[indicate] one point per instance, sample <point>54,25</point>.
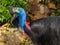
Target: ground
<point>11,36</point>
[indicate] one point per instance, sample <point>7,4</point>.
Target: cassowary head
<point>14,16</point>
<point>19,13</point>
<point>12,8</point>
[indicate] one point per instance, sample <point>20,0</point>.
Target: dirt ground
<point>13,37</point>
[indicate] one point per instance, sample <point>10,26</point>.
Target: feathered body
<point>45,31</point>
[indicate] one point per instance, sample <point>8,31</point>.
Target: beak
<point>14,17</point>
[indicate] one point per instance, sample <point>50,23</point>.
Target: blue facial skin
<point>21,17</point>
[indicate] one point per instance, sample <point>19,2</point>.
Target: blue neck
<point>22,17</point>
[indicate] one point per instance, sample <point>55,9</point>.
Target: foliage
<point>5,7</point>
<point>4,14</point>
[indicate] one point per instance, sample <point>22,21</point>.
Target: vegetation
<point>5,7</point>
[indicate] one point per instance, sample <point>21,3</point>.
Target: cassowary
<point>44,31</point>
<point>20,14</point>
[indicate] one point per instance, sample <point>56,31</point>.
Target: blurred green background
<point>5,7</point>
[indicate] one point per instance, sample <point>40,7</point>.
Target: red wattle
<point>27,24</point>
